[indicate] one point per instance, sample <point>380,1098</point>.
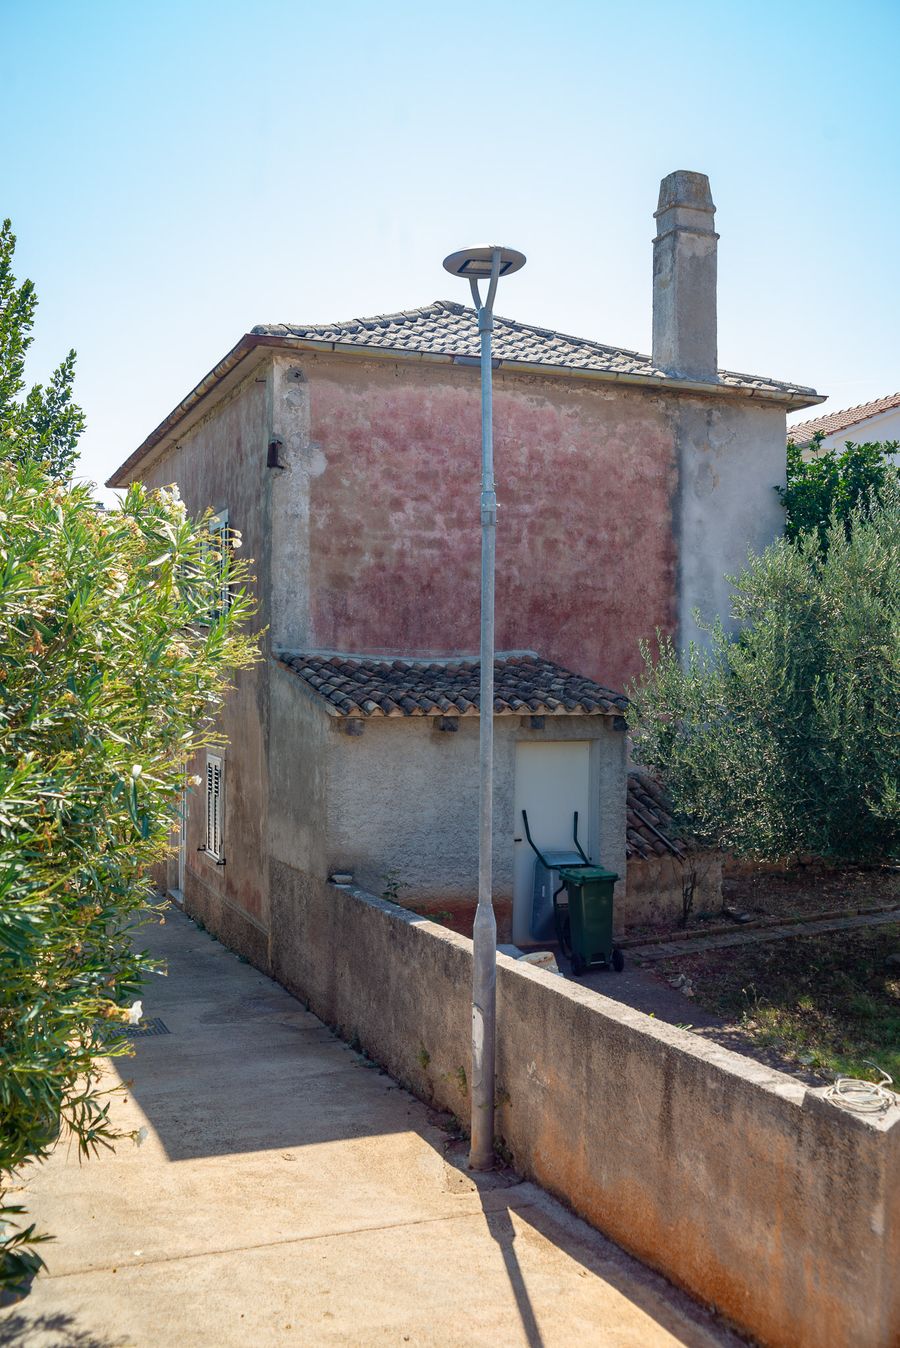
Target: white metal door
<point>552,782</point>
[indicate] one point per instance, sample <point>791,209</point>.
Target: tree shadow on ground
<point>247,1070</point>
<point>18,1330</point>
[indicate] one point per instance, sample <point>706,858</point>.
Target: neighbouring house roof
<point>648,825</point>
<point>523,685</point>
<point>446,328</point>
<point>834,422</point>
<point>448,332</point>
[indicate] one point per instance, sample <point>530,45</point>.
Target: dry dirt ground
<point>816,1006</point>
<point>824,1005</point>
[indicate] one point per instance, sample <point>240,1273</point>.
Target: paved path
<point>290,1194</point>
<point>664,950</point>
<point>651,993</point>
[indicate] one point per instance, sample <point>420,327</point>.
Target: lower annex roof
<point>524,684</point>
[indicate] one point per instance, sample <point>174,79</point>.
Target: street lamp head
<point>474,264</point>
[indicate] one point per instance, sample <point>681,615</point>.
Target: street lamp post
<point>488,264</point>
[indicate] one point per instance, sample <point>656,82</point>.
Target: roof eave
<point>786,398</point>
<point>282,660</point>
<point>794,399</point>
<point>420,714</point>
<point>125,473</point>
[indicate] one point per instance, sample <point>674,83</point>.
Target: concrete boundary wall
<point>740,1184</point>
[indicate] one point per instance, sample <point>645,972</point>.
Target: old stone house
<point>347,456</point>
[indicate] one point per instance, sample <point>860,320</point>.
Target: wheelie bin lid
<point>582,875</point>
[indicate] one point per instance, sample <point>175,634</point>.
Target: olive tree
<point>784,738</point>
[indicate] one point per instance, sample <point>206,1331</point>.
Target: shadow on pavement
<point>536,1212</point>
<point>49,1331</point>
<point>244,1069</point>
<point>241,1066</point>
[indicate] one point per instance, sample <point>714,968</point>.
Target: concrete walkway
<point>288,1193</point>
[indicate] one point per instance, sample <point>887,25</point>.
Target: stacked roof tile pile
<point>523,685</point>
<point>446,328</point>
<point>649,831</point>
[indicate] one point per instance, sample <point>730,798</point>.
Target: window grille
<point>215,774</point>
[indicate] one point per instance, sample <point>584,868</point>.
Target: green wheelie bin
<point>585,923</point>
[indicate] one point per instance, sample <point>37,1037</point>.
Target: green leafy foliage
<point>784,739</point>
<point>110,680</point>
<point>833,484</point>
<point>44,424</point>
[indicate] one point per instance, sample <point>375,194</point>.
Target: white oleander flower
<point>133,1016</point>
<point>136,771</point>
<point>117,581</point>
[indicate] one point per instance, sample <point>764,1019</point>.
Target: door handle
<point>517,839</point>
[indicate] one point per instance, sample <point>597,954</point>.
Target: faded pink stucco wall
<point>586,553</point>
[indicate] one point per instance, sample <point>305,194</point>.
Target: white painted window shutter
<point>215,772</point>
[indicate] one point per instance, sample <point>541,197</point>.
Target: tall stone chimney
<point>684,277</point>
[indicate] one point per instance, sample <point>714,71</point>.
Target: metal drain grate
<point>147,1027</point>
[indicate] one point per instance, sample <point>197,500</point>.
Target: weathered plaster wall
<point>585,548</point>
<point>739,1183</point>
<point>289,499</point>
<point>220,464</point>
<point>654,887</point>
<point>731,456</point>
<point>302,745</point>
<point>620,508</point>
<point>403,801</point>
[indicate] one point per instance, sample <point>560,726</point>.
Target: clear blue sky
<point>177,172</point>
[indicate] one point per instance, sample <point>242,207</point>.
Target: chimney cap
<point>685,188</point>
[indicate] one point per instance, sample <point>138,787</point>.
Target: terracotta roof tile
<point>523,684</point>
<point>833,422</point>
<point>648,826</point>
<point>448,328</point>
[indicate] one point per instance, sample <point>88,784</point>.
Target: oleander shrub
<point>116,650</point>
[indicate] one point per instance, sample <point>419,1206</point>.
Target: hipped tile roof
<point>833,422</point>
<point>648,829</point>
<point>450,329</point>
<point>524,685</point>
